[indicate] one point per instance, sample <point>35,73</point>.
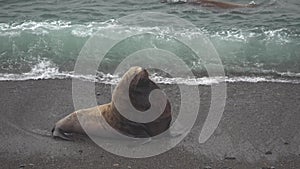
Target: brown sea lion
<point>212,3</point>
<point>97,119</point>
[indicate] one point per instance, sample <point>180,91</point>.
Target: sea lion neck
<point>134,88</point>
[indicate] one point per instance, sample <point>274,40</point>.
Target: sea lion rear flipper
<point>58,133</point>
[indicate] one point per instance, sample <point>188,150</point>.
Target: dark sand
<point>259,129</point>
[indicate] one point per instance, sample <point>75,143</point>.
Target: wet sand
<point>259,129</point>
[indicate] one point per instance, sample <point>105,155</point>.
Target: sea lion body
<point>91,118</point>
<point>106,121</point>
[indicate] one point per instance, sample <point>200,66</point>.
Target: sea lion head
<point>137,84</point>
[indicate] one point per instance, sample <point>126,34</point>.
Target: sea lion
<point>94,119</point>
<point>212,3</point>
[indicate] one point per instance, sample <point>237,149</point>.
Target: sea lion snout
<point>139,71</point>
<point>141,77</point>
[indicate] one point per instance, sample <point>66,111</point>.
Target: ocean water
<point>42,39</point>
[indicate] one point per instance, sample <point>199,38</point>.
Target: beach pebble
<point>207,167</point>
<point>22,166</point>
<point>286,143</point>
<point>268,167</point>
<point>116,165</point>
<point>268,153</point>
<point>129,166</point>
<point>230,158</point>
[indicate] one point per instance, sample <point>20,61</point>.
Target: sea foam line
<point>46,70</point>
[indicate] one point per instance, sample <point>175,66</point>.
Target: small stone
<point>116,165</point>
<point>98,93</point>
<point>129,166</point>
<point>230,158</point>
<point>286,143</point>
<point>207,167</point>
<point>268,167</point>
<point>80,151</point>
<point>22,166</point>
<point>268,153</point>
<point>31,164</point>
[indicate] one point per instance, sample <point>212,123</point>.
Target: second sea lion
<point>212,3</point>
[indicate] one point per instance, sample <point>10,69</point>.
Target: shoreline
<point>259,118</point>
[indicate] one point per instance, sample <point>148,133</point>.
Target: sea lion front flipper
<point>58,133</point>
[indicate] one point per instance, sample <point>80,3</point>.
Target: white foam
<point>280,36</point>
<point>38,28</point>
<point>43,70</point>
<point>47,70</point>
<point>89,28</point>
